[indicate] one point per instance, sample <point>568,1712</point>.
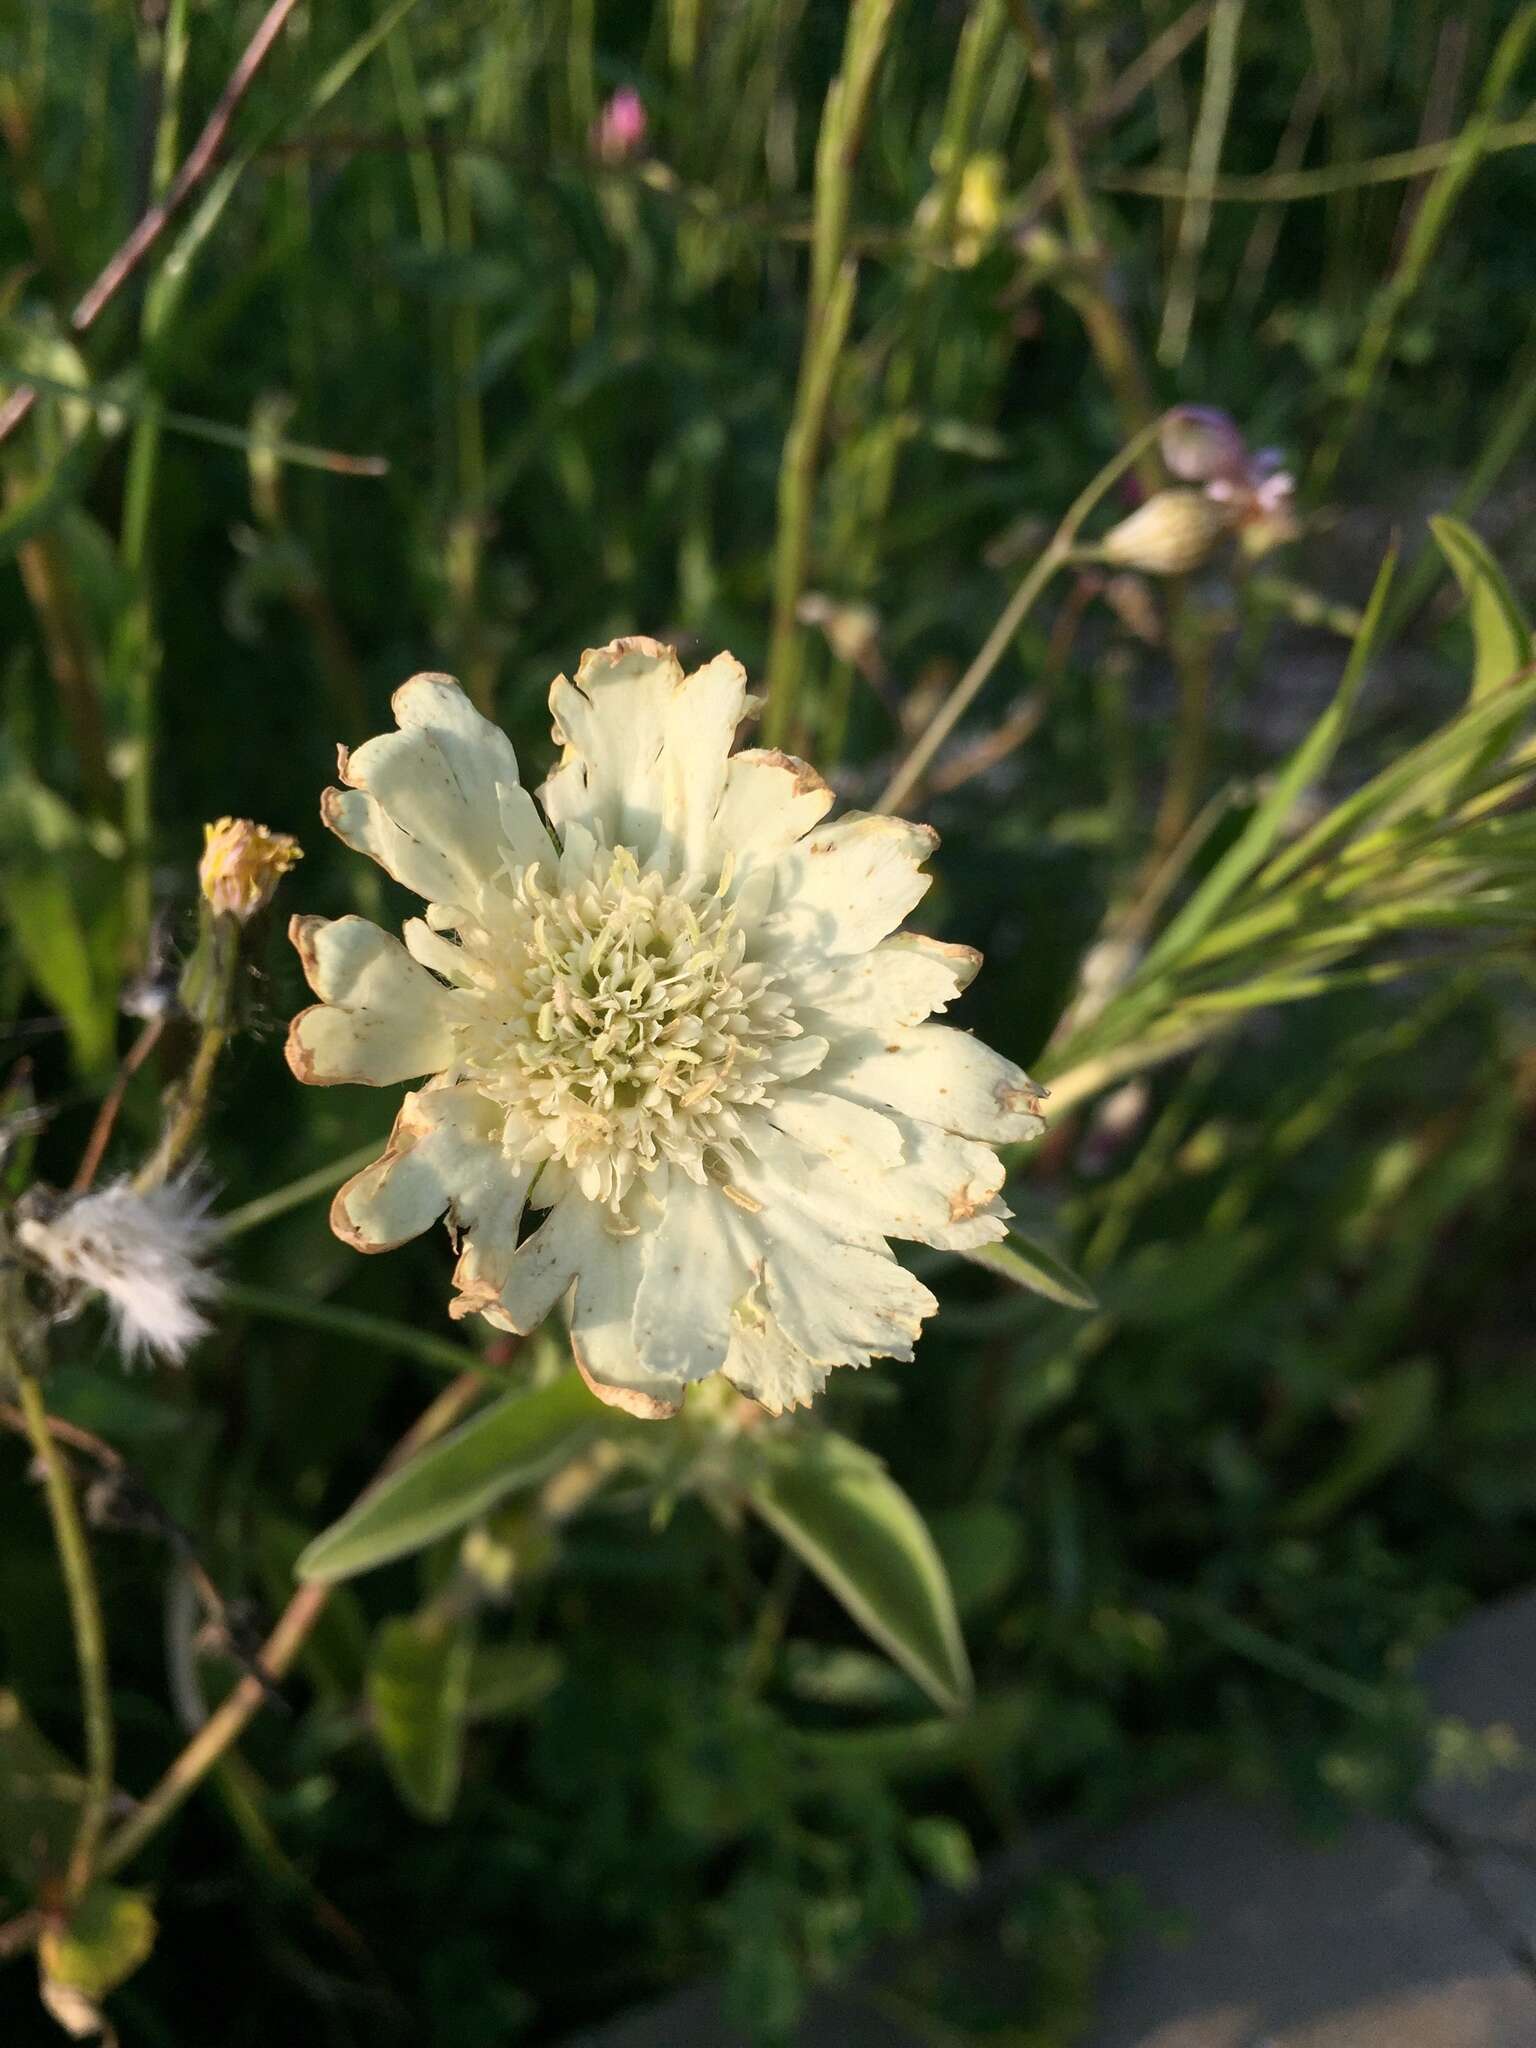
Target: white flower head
<point>680,1073</point>
<point>143,1253</point>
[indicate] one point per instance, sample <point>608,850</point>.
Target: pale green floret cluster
<point>622,1020</point>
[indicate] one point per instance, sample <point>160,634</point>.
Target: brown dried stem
<point>131,253</point>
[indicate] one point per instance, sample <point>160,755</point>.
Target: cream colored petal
<point>577,855</point>
<point>940,1076</point>
<point>948,1191</point>
<point>695,1267</point>
<point>541,1270</point>
<point>769,801</point>
<point>602,1342</point>
<point>795,1057</point>
<point>843,889</point>
<point>611,722</point>
<point>524,836</point>
<point>837,1129</point>
<point>843,1304</point>
<point>431,950</point>
<point>938,1189</point>
<point>768,1369</point>
<point>438,778</point>
<point>838,1301</point>
<point>444,1157</point>
<point>384,1018</point>
<point>903,980</point>
<point>646,748</point>
<point>701,722</point>
<point>361,823</point>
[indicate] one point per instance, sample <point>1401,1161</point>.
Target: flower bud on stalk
<point>238,875</point>
<point>1172,533</point>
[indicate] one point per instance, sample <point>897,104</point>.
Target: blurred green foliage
<point>1201,1526</point>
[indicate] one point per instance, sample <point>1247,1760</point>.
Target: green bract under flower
<point>681,1077</point>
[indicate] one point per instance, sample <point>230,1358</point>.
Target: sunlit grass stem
<point>85,1617</point>
<point>829,310</point>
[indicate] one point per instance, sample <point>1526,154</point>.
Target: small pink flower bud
<point>619,129</point>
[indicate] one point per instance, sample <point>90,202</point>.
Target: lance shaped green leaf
<point>839,1509</point>
<point>418,1697</point>
<point>40,1796</point>
<point>1395,1414</point>
<point>1028,1263</point>
<point>1501,638</point>
<point>516,1442</point>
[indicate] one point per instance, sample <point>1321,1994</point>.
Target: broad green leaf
<point>1027,1263</point>
<point>838,1508</point>
<point>1501,639</point>
<point>40,1797</point>
<point>514,1443</point>
<point>1395,1413</point>
<point>104,1940</point>
<point>418,1697</point>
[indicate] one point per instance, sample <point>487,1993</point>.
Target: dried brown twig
<point>126,259</point>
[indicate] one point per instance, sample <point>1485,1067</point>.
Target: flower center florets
<point>622,1025</point>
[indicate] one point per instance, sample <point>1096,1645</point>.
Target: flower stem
<point>1057,552</point>
<point>829,310</point>
<point>266,1208</point>
<point>227,1722</point>
<point>187,1117</point>
<point>89,1633</point>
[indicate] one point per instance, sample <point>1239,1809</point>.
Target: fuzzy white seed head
<point>144,1253</point>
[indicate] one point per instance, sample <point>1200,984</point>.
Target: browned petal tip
<point>300,1060</point>
<point>645,1407</point>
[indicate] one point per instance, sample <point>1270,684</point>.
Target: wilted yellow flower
<point>672,1012</point>
<point>242,865</point>
<point>1173,532</point>
<point>980,209</point>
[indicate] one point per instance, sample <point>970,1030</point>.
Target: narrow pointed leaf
<point>1501,639</point>
<point>1396,1411</point>
<point>418,1697</point>
<point>515,1443</point>
<point>838,1509</point>
<point>1027,1263</point>
<point>40,1796</point>
<point>1306,767</point>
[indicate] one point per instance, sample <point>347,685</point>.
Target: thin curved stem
<point>228,1720</point>
<point>1057,553</point>
<point>89,1633</point>
<point>267,1208</point>
<point>187,1117</point>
